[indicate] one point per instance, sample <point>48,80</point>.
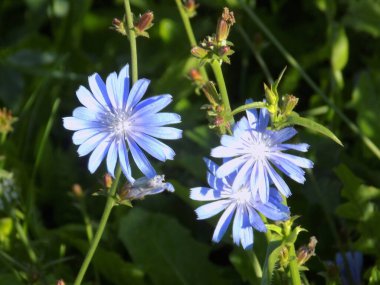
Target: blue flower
<point>254,151</point>
<point>144,186</point>
<point>113,121</point>
<point>355,263</point>
<point>239,201</point>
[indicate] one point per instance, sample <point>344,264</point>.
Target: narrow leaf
<point>273,252</point>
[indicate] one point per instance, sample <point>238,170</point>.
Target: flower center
<point>118,122</point>
<point>242,196</point>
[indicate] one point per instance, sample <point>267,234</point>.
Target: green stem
<point>132,40</point>
<point>254,105</point>
<point>293,62</point>
<point>294,272</point>
<point>103,221</point>
<point>256,266</point>
<point>217,69</point>
<point>190,33</point>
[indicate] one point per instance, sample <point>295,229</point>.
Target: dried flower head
<point>225,22</point>
<point>119,26</point>
<point>143,23</point>
<point>6,121</point>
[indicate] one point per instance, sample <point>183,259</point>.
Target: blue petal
<point>98,155</point>
<point>87,100</point>
<point>204,194</point>
<point>290,169</point>
<point>299,161</point>
<point>153,146</point>
<point>252,115</point>
<point>140,159</point>
<point>223,223</point>
<point>304,147</point>
<point>158,120</point>
<point>230,166</point>
<point>242,177</point>
<point>277,180</point>
<point>89,145</point>
<point>137,92</point>
<point>169,187</point>
<point>215,183</point>
<point>124,160</point>
<point>230,141</point>
<point>211,209</point>
<point>85,114</point>
<point>282,135</point>
<point>112,158</point>
<point>81,136</point>
<point>99,90</point>
<point>241,126</point>
<point>223,151</point>
<point>112,90</point>
<point>75,124</point>
<point>263,121</point>
<point>272,212</point>
<point>167,133</point>
<point>246,238</point>
<point>211,166</point>
<point>152,105</point>
<point>238,223</point>
<point>262,181</point>
<point>255,220</point>
<point>123,86</point>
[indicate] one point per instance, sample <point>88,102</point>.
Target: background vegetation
<point>49,47</point>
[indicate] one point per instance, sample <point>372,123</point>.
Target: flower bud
<point>144,23</point>
<point>210,92</point>
<point>224,24</point>
<point>118,26</point>
<point>77,191</point>
<point>107,179</point>
<point>199,52</point>
<point>60,282</point>
<point>195,75</point>
<point>305,252</point>
<point>270,96</point>
<point>288,104</point>
<point>190,7</point>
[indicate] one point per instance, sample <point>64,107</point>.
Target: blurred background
<point>48,48</point>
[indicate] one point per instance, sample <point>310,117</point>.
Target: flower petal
<point>277,180</point>
<point>112,158</point>
<point>140,159</point>
<point>290,169</point>
<point>99,90</point>
<point>246,237</point>
<point>230,166</point>
<point>223,151</point>
<point>123,87</point>
<point>263,121</point>
<point>237,225</point>
<point>211,209</point>
<point>204,194</point>
<point>255,220</point>
<point>112,90</point>
<point>282,135</point>
<point>304,147</point>
<point>262,182</point>
<point>90,144</point>
<point>223,223</point>
<point>158,120</point>
<point>98,155</point>
<point>167,133</point>
<point>243,175</point>
<point>87,99</point>
<point>299,161</point>
<point>137,92</point>
<point>152,105</point>
<point>75,124</point>
<point>81,136</point>
<point>83,113</point>
<point>211,166</point>
<point>154,147</point>
<point>124,160</point>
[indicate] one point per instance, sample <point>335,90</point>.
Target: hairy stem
<point>132,40</point>
<point>294,272</point>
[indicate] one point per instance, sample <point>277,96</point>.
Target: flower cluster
<point>114,122</point>
<point>247,182</point>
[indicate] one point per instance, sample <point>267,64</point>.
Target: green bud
<point>288,104</point>
<point>271,96</point>
<point>199,52</point>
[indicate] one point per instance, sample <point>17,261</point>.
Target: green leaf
<point>340,49</point>
<point>165,250</point>
<point>109,264</point>
<point>295,119</point>
<point>374,275</point>
<point>273,252</point>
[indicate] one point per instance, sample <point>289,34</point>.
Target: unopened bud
<point>305,252</point>
<point>190,7</point>
<point>210,92</point>
<point>224,24</point>
<point>288,104</point>
<point>270,96</point>
<point>107,179</point>
<point>199,52</point>
<point>195,75</point>
<point>224,50</point>
<point>60,282</point>
<point>77,191</point>
<point>118,26</point>
<point>144,23</point>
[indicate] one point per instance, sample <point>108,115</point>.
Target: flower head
<point>239,201</point>
<point>113,122</point>
<point>254,151</point>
